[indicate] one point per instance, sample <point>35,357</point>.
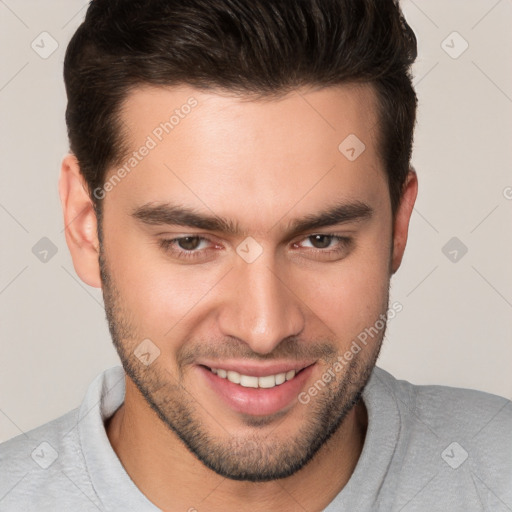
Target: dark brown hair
<point>253,47</point>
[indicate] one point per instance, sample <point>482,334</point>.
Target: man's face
<point>288,295</point>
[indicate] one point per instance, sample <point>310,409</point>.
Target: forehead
<point>263,156</point>
<point>306,111</point>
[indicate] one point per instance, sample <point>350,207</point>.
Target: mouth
<point>253,381</point>
<point>257,395</point>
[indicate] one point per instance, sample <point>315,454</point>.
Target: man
<point>239,185</point>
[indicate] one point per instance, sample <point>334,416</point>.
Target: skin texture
<point>261,164</point>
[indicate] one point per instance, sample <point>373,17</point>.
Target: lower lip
<point>257,401</point>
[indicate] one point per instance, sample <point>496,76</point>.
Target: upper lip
<point>258,370</point>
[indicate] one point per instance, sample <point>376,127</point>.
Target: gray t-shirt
<point>427,448</point>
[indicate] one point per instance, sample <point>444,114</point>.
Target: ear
<point>80,222</point>
<point>402,217</point>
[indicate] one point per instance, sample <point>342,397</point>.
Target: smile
<point>251,381</point>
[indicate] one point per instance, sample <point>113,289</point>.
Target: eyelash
<point>167,243</point>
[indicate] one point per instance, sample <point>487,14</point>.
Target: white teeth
<point>233,377</point>
<point>290,374</point>
<point>280,378</point>
<point>248,381</point>
<point>269,381</point>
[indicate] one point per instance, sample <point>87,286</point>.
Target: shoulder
<point>42,465</point>
<point>449,407</point>
<point>22,449</point>
<point>463,436</point>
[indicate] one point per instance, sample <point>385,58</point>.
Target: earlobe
<point>402,218</point>
<point>80,222</point>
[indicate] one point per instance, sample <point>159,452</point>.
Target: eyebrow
<point>159,214</point>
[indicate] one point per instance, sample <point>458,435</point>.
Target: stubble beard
<point>252,457</point>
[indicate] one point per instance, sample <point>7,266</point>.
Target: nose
<point>259,306</point>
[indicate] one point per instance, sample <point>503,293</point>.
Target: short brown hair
<point>251,47</point>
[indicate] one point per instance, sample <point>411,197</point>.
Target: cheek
<point>159,295</point>
<point>350,295</point>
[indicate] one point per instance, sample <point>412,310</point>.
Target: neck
<point>171,477</point>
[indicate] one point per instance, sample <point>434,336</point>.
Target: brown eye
<point>325,246</point>
<point>192,247</point>
<point>321,241</point>
<point>189,243</point>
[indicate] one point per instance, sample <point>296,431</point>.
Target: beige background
<point>456,324</point>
